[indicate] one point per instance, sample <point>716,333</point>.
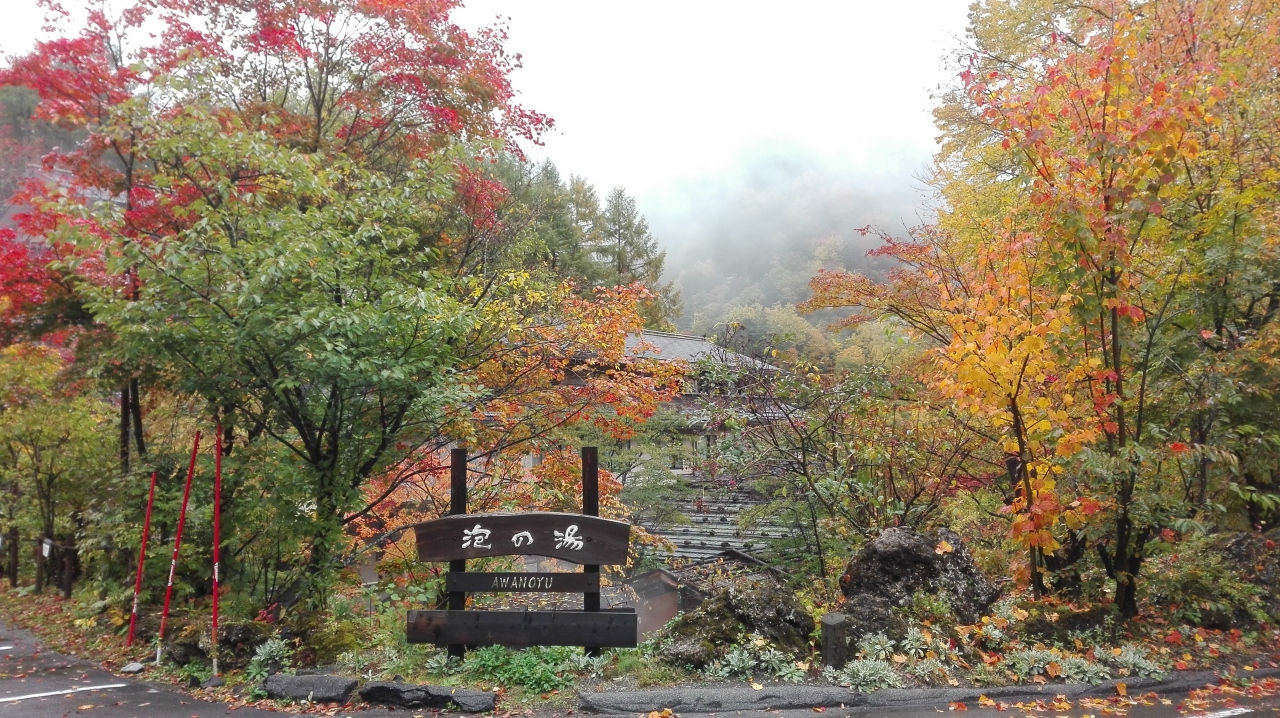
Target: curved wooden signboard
<point>571,537</point>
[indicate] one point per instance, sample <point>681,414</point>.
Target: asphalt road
<point>35,683</point>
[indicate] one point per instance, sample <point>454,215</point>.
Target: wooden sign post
<point>582,538</point>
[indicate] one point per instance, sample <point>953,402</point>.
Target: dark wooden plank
<point>607,629</point>
<point>572,537</point>
<point>591,507</point>
<point>457,505</point>
<point>532,582</point>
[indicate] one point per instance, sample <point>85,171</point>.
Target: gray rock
<point>901,562</point>
<point>318,689</point>
<point>865,613</point>
<point>214,682</point>
<point>133,668</point>
<point>238,639</point>
<point>409,695</point>
<point>184,651</point>
<point>752,603</point>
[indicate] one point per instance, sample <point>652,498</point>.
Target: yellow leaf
<point>943,548</point>
<point>1122,690</point>
<point>757,686</point>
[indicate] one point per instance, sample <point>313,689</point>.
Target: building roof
<point>669,346</point>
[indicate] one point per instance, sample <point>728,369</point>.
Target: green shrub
<point>915,645</point>
<point>1076,669</point>
<point>1027,664</point>
<point>865,675</point>
<point>1134,661</point>
<point>753,654</point>
<point>272,650</point>
<point>1197,587</point>
<point>538,670</point>
<point>928,607</point>
<point>876,646</point>
<point>930,671</point>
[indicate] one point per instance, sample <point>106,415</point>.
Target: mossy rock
<point>237,641</point>
<point>866,614</point>
<point>750,604</point>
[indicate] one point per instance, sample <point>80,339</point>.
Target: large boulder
<point>866,613</point>
<point>900,562</point>
<point>317,689</point>
<point>751,603</point>
<point>409,695</point>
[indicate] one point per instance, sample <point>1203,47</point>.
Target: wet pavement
<point>35,683</point>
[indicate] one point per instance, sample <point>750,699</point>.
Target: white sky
<point>655,94</point>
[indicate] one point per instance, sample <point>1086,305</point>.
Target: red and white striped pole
<point>142,559</point>
<point>177,545</point>
<point>217,525</point>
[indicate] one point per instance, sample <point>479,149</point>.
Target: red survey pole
<point>142,558</point>
<point>217,524</point>
<point>177,545</point>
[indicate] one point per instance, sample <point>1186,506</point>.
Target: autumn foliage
<point>285,218</point>
<point>1106,248</point>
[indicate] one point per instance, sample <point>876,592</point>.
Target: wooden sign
<point>602,629</point>
<point>534,582</point>
<point>583,538</point>
<point>572,537</point>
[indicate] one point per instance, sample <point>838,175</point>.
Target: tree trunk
<point>124,427</point>
<point>135,408</point>
<point>13,557</point>
<point>40,563</point>
<point>68,566</point>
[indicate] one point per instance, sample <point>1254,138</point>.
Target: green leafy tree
<point>53,444</point>
<point>306,306</point>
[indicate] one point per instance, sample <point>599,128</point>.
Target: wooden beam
<point>606,629</point>
<point>572,537</point>
<point>533,582</point>
<point>457,506</point>
<point>591,507</point>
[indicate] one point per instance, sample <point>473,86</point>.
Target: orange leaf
<point>1122,690</point>
<point>957,706</point>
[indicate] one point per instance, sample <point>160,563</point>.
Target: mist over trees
<point>742,246</point>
